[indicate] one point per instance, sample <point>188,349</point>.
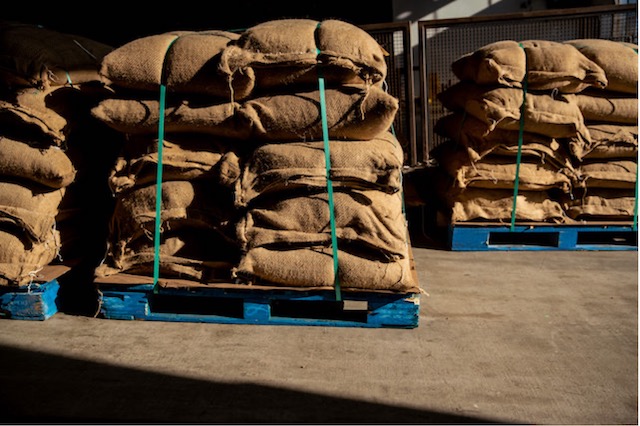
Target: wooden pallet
<point>36,301</point>
<point>130,297</point>
<point>593,236</point>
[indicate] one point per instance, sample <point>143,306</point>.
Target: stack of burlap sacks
<point>244,188</point>
<point>579,132</point>
<point>46,139</point>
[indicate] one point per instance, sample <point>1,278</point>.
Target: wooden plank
<point>484,237</point>
<point>263,307</point>
<point>33,302</point>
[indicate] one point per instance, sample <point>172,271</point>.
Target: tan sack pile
<point>570,119</point>
<point>198,166</point>
<point>45,100</point>
<point>244,186</point>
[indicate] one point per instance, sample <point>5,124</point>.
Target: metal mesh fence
<point>444,41</point>
<point>395,39</point>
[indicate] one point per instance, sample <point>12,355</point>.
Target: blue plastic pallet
<point>256,306</point>
<point>483,237</point>
<point>32,302</point>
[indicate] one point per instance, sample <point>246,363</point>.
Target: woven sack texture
<point>546,64</point>
<point>619,60</point>
<point>287,52</point>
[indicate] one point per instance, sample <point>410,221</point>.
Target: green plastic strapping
<point>158,219</point>
<point>327,159</point>
<point>635,205</point>
<point>69,78</point>
<point>516,182</point>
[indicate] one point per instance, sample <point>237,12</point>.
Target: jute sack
<point>62,107</point>
<point>29,124</point>
<point>184,157</point>
<point>32,104</point>
<point>608,141</point>
<point>475,136</point>
<point>192,253</point>
<point>312,268</point>
<point>31,55</point>
<point>619,60</point>
<point>288,51</point>
<point>608,173</point>
<point>546,64</point>
<point>271,168</point>
<point>190,62</point>
<point>494,172</point>
<point>602,204</point>
<point>21,262</point>
<point>479,204</point>
<point>607,107</point>
<point>499,107</point>
<point>31,210</point>
<point>49,166</point>
<point>369,222</point>
<point>352,113</point>
<point>184,204</point>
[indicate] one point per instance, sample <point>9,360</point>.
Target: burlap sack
<point>493,172</point>
<point>197,235</point>
<point>62,107</point>
<point>190,62</point>
<point>31,55</point>
<point>608,174</point>
<point>32,104</point>
<point>499,107</point>
<point>23,123</point>
<point>496,205</point>
<point>546,64</point>
<point>608,141</point>
<point>608,107</point>
<point>31,210</point>
<point>602,204</point>
<point>287,51</point>
<point>49,166</point>
<point>312,268</point>
<point>352,113</point>
<point>619,60</point>
<point>475,136</point>
<point>185,204</point>
<point>371,223</point>
<point>21,262</point>
<point>192,254</point>
<point>184,157</point>
<point>272,168</point>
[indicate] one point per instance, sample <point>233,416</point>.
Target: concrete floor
<point>542,337</point>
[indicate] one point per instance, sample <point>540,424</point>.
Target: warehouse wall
<point>420,10</point>
<point>116,22</point>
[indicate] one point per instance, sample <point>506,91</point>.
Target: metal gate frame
<point>622,19</point>
<point>395,38</point>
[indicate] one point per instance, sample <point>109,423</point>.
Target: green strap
<point>158,221</point>
<point>327,158</point>
<point>69,78</point>
<point>635,204</point>
<point>516,182</point>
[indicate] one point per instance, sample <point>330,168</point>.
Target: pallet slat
<point>263,307</point>
<point>482,237</point>
<point>33,302</point>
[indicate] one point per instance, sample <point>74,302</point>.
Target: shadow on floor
<point>43,388</point>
